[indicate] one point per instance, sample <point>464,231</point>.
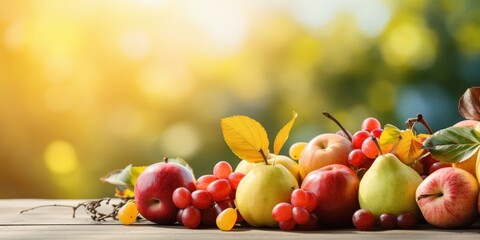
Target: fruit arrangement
<point>378,178</point>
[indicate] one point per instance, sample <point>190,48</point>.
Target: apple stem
<point>419,119</point>
<point>263,155</point>
<point>165,159</point>
<point>328,115</point>
<point>374,139</point>
<point>429,195</point>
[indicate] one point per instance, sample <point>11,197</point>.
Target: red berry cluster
<point>213,194</point>
<point>365,150</point>
<point>364,220</point>
<point>299,212</point>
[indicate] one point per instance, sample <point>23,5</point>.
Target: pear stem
<point>263,155</point>
<point>328,115</point>
<point>429,195</point>
<point>419,119</point>
<point>374,139</point>
<point>165,159</point>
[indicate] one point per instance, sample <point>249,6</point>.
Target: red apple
<point>448,198</point>
<point>323,150</point>
<point>154,189</point>
<point>336,188</point>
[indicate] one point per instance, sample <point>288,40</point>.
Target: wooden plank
<point>57,223</point>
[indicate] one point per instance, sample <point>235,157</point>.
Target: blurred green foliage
<point>88,87</point>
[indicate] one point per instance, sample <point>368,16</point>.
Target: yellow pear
<point>389,187</point>
<point>261,190</point>
<point>292,166</point>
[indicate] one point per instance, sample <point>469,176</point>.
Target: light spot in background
<point>60,157</point>
<point>14,36</point>
<point>372,17</point>
<point>165,82</point>
<point>224,25</point>
<point>409,42</point>
<point>125,121</point>
<point>313,13</point>
<point>135,44</point>
<point>180,140</point>
<point>468,37</point>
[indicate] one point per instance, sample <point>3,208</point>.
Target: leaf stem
<point>374,139</point>
<point>263,155</point>
<point>419,119</point>
<point>328,115</point>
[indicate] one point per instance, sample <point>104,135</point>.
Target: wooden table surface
<point>57,223</point>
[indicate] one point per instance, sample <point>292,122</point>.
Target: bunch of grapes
<point>365,150</point>
<point>299,212</point>
<point>364,220</point>
<point>212,203</point>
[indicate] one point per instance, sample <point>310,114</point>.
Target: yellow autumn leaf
<point>409,148</point>
<point>282,135</point>
<point>390,135</point>
<point>246,138</point>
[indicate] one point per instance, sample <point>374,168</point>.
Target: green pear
<point>389,187</point>
<point>260,190</point>
<point>292,166</point>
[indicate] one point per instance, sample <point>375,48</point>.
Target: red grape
<point>363,220</point>
<point>299,198</point>
<point>406,220</point>
<point>282,212</point>
<point>219,189</point>
<point>239,217</point>
<point>222,169</point>
<point>312,201</point>
<point>204,181</point>
<point>370,149</point>
<point>201,199</point>
<point>181,197</point>
<point>179,216</point>
<point>370,124</point>
<point>437,165</point>
<point>191,217</point>
<point>208,217</point>
<point>359,137</point>
<point>377,133</point>
<point>388,221</point>
<point>312,223</point>
<point>300,215</point>
<point>233,194</point>
<point>427,162</point>
<point>368,162</point>
<point>222,205</point>
<point>356,158</point>
<point>235,178</point>
<point>288,225</point>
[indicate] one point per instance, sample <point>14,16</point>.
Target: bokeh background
<point>87,87</point>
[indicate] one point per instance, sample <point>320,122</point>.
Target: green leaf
<point>453,144</point>
<point>182,162</point>
<point>124,177</point>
